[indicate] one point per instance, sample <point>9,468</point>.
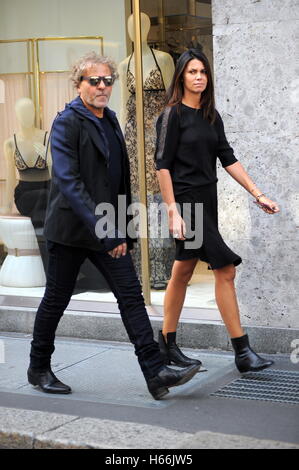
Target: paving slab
<point>99,372</point>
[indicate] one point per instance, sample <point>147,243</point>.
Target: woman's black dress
<point>188,146</point>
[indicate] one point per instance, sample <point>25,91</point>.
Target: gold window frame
<point>30,60</point>
<point>38,72</point>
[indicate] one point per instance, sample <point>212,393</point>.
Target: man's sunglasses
<point>94,81</point>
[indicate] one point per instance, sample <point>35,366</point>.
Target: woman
<point>190,138</point>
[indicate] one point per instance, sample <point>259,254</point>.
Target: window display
<point>37,69</point>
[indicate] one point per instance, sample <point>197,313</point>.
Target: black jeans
<point>63,268</point>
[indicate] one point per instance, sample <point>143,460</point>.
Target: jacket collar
<point>78,106</point>
<point>96,131</point>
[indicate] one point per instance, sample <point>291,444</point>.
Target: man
<point>90,166</point>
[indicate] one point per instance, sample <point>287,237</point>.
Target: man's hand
<point>118,251</point>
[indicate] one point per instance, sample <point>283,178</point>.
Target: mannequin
<point>164,60</point>
<point>27,151</point>
<point>158,68</point>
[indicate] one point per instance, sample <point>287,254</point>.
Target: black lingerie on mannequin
<point>31,193</point>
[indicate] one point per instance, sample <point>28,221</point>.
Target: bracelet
<point>260,195</point>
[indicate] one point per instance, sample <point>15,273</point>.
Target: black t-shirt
<point>188,146</point>
<point>115,160</point>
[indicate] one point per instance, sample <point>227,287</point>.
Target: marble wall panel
<point>266,282</point>
<point>257,93</point>
<point>256,75</point>
<point>243,11</point>
<point>273,164</point>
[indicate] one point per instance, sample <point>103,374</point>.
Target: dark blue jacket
<point>80,179</point>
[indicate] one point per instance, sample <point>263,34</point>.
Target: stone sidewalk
<point>111,408</point>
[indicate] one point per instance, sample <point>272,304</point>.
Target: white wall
<point>40,18</point>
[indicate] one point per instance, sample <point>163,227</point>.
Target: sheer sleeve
<point>225,152</point>
<point>167,128</point>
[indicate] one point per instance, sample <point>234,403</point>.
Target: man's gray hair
<point>87,61</point>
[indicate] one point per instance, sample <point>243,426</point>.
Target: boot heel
<point>163,349</point>
<point>159,393</point>
<point>31,380</point>
<point>166,360</point>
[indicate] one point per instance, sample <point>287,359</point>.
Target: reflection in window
<point>178,25</point>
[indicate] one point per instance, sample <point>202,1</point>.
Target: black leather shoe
<point>172,354</point>
<point>245,358</point>
<point>158,386</point>
<point>47,381</point>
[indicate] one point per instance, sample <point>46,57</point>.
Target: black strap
<point>47,147</point>
<point>158,66</point>
<point>152,51</point>
<point>45,137</point>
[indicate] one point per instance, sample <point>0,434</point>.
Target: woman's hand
<point>268,206</point>
<point>177,226</point>
<point>237,172</point>
<point>118,251</point>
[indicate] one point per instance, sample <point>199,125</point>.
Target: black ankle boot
<point>245,358</point>
<point>159,384</point>
<point>47,381</point>
<point>172,354</point>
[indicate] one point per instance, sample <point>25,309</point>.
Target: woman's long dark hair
<point>175,92</point>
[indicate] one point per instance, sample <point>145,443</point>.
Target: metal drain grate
<point>271,385</point>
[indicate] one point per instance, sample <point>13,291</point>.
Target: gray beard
<point>97,107</point>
